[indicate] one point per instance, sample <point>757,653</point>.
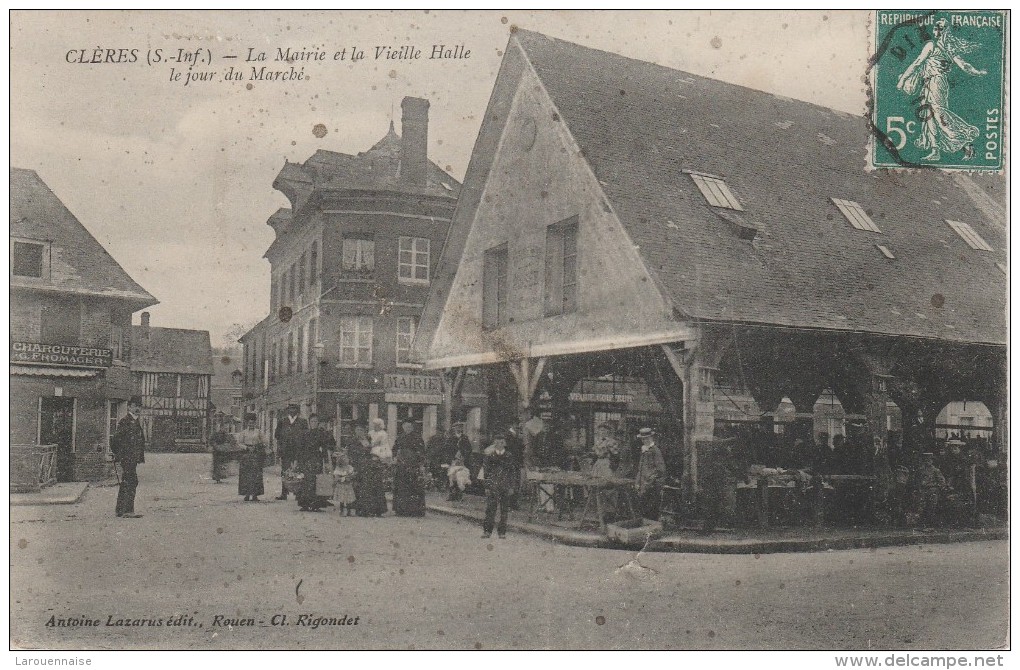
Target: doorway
<point>56,426</point>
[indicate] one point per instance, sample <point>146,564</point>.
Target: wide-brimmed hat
<point>293,406</point>
<point>646,432</point>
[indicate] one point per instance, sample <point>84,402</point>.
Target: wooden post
<point>685,369</point>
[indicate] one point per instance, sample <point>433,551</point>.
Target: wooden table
<point>595,488</point>
<point>786,481</point>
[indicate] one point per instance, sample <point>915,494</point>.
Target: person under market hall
<point>501,475</point>
<point>651,471</point>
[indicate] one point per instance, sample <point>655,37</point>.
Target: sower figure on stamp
<point>501,476</point>
<point>289,434</point>
<point>941,129</point>
<point>128,447</point>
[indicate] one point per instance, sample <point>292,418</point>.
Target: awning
<point>41,371</point>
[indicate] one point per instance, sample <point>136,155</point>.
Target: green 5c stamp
<point>937,78</point>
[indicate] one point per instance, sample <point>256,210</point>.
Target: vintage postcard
<point>545,330</point>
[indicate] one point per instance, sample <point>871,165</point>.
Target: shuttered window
<point>561,267</point>
<point>495,287</point>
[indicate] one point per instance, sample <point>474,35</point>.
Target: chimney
<point>414,141</point>
<point>145,319</point>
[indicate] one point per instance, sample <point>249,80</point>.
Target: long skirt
<point>408,492</point>
<point>305,494</point>
<point>249,476</point>
<point>220,459</point>
<point>371,494</point>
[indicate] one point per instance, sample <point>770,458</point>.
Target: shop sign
<point>407,383</point>
<point>60,354</point>
<point>618,398</point>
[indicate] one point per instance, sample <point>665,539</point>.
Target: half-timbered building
<point>172,369</point>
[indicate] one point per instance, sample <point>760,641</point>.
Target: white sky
<point>176,181</point>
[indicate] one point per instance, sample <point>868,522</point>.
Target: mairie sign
<point>60,354</point>
<point>407,383</point>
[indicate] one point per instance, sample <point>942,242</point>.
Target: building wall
<point>322,381</point>
<point>91,439</point>
<point>531,185</point>
<point>95,317</point>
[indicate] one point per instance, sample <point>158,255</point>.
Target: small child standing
<point>343,488</point>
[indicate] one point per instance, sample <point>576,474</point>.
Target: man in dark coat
<point>128,447</point>
<point>289,435</point>
<point>501,476</point>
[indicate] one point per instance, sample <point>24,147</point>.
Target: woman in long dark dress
<point>368,473</point>
<point>408,481</point>
<point>249,475</point>
<point>313,453</point>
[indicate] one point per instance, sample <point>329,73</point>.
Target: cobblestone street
<point>435,583</point>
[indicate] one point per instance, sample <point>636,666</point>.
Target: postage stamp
<point>937,80</point>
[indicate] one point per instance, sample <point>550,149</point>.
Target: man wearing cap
<point>651,470</point>
<point>128,447</point>
<point>501,475</point>
<point>290,432</point>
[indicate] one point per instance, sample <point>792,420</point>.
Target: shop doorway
<point>56,426</point>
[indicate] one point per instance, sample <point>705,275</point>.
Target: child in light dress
<point>382,447</point>
<point>459,477</point>
<point>343,487</point>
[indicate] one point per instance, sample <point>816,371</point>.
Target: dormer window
<point>974,240</point>
<point>29,259</point>
<point>856,215</point>
<point>715,190</point>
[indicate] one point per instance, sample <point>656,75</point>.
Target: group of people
<point>352,477</point>
<point>499,470</point>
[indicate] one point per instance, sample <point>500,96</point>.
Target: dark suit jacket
<point>501,471</point>
<point>128,442</point>
<point>289,437</point>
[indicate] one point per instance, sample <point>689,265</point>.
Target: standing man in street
<point>651,470</point>
<point>501,476</point>
<point>128,447</point>
<point>289,434</point>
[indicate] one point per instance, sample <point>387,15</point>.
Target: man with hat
<point>501,474</point>
<point>128,447</point>
<point>650,472</point>
<point>930,484</point>
<point>290,432</point>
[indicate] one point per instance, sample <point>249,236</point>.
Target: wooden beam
<point>458,381</point>
<point>535,378</point>
<point>674,361</point>
<point>521,377</point>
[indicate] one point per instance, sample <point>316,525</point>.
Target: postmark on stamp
<point>937,79</point>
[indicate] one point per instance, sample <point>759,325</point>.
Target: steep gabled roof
<point>640,126</point>
<point>78,262</point>
<point>171,350</point>
<point>790,258</point>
